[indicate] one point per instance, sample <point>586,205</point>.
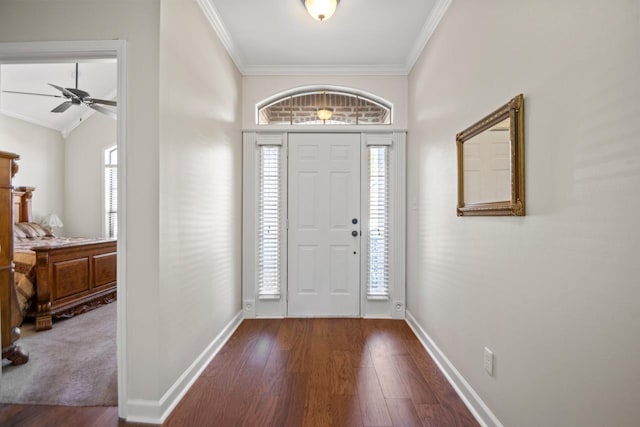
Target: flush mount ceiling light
<point>321,9</point>
<point>324,113</point>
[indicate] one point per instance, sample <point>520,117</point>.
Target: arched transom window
<point>320,107</point>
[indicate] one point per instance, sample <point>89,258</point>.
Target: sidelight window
<point>269,222</point>
<point>379,234</point>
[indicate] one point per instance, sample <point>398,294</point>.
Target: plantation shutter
<point>379,222</point>
<point>111,193</point>
<point>269,222</point>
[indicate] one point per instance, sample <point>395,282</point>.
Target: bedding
<point>25,277</point>
<point>30,230</point>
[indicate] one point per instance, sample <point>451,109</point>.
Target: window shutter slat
<point>111,193</point>
<point>269,219</point>
<point>379,222</point>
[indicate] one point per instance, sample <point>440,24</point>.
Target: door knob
<point>354,221</point>
<point>354,233</point>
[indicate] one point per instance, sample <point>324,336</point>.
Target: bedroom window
<point>379,236</point>
<point>111,192</point>
<point>269,222</point>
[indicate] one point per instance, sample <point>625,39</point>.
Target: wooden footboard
<point>72,279</point>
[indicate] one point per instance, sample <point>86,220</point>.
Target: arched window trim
<point>314,89</point>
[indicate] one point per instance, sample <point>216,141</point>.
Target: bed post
<point>43,295</point>
<point>25,214</point>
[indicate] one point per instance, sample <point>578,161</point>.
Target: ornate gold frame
<point>514,110</point>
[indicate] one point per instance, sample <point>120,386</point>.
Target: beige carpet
<point>73,364</point>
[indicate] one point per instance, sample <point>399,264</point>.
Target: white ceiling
<point>363,36</point>
<point>99,78</point>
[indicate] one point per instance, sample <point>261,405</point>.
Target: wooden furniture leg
<point>44,319</point>
<point>12,318</point>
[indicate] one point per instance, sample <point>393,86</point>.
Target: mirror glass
<point>491,163</point>
<point>486,165</point>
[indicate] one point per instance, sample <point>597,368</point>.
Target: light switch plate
<point>488,361</point>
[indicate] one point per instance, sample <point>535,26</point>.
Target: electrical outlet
<point>488,361</point>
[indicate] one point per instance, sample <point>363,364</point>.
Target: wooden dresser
<point>10,317</point>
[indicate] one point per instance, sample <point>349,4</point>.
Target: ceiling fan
<point>75,96</point>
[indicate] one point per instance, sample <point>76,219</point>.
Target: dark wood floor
<point>300,372</point>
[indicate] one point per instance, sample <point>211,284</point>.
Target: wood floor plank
<point>317,409</point>
<point>45,415</point>
<point>362,359</point>
<point>357,344</point>
<point>261,412</point>
<point>414,382</point>
<point>394,334</point>
<point>299,347</point>
<point>373,406</point>
<point>345,411</point>
<point>290,408</point>
<point>274,373</point>
<point>390,381</point>
<point>447,396</point>
<point>403,413</point>
<point>392,384</point>
<point>342,374</point>
<point>200,406</point>
<point>239,347</point>
<point>435,415</point>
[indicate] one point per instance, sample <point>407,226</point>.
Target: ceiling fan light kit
<point>321,10</point>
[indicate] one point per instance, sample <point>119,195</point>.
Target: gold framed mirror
<point>491,163</point>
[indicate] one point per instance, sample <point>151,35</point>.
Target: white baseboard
<point>478,408</point>
<point>157,411</point>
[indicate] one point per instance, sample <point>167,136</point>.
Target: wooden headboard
<point>22,204</point>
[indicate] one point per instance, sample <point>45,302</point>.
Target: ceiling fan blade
<point>100,101</point>
<point>103,110</point>
<point>62,107</point>
<point>64,91</point>
<point>32,93</point>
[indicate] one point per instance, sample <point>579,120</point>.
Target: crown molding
<point>28,119</point>
<point>325,70</point>
<point>214,19</point>
<point>427,31</point>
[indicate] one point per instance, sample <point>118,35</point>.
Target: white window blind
<point>111,192</point>
<point>379,210</point>
<point>269,222</point>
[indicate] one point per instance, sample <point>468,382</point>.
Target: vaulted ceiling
<point>99,78</point>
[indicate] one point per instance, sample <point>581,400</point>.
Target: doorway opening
<point>92,52</point>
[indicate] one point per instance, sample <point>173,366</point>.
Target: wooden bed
<point>71,275</point>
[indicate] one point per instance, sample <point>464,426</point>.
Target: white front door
<point>324,203</point>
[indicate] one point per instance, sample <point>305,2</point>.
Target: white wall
<point>554,294</point>
<point>41,164</point>
<point>200,187</point>
<point>257,88</point>
<point>137,22</point>
<point>84,175</point>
